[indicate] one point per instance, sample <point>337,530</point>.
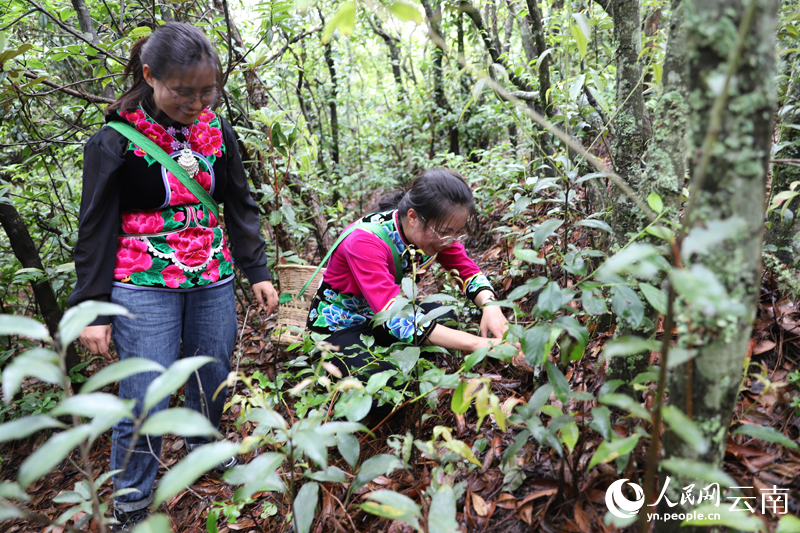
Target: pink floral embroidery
<point>139,222</point>
<point>212,220</point>
<point>212,271</point>
<point>226,254</point>
<point>206,139</point>
<point>157,134</point>
<point>132,257</point>
<point>206,115</point>
<point>192,246</point>
<point>133,116</point>
<point>180,216</point>
<point>180,194</point>
<point>173,276</point>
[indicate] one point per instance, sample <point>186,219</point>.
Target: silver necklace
<point>187,160</point>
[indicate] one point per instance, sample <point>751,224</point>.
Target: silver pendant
<point>188,162</point>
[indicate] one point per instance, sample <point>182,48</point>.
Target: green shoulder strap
<point>372,228</point>
<point>140,140</point>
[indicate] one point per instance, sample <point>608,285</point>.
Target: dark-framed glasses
<point>187,98</point>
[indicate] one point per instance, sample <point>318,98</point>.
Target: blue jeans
<point>205,320</point>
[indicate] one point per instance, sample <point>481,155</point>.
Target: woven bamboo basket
<point>291,319</point>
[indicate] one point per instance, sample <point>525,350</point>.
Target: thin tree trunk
<point>664,175</point>
<point>783,233</point>
<point>394,53</point>
<point>537,28</point>
<point>87,26</point>
<point>732,186</point>
<point>26,253</point>
<point>332,104</point>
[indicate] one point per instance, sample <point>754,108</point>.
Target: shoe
<point>220,468</point>
<point>126,521</point>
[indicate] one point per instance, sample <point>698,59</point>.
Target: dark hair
<point>173,46</point>
<point>433,195</point>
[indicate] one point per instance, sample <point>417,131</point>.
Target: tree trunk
<point>664,174</point>
<point>332,104</point>
<point>87,26</point>
<point>734,185</point>
<point>26,253</point>
<point>537,28</point>
<point>394,53</point>
<point>783,233</point>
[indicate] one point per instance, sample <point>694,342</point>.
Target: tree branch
<point>91,98</point>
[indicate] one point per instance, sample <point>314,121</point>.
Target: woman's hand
<point>265,292</point>
<point>493,322</point>
<point>96,339</point>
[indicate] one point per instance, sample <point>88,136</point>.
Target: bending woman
<point>149,244</point>
<point>425,224</point>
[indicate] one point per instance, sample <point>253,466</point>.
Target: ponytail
<point>139,90</point>
<point>391,201</point>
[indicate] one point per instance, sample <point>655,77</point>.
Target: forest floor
<point>557,494</point>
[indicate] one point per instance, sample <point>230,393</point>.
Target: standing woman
<point>149,244</point>
<point>423,225</point>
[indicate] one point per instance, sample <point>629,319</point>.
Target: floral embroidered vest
<point>179,246</point>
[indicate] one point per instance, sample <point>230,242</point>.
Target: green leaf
<point>41,363</point>
<point>704,240</point>
<point>313,446</point>
<point>24,427</point>
<point>738,521</point>
<point>95,404</point>
<point>406,12</point>
<point>344,20</point>
<point>304,506</point>
<point>655,202</point>
<point>267,418</point>
<point>348,447</point>
<point>255,476</point>
<point>156,523</point>
<point>627,403</point>
<point>406,359</point>
<point>9,511</point>
<point>627,305</point>
<point>275,218</point>
<point>179,421</point>
<point>656,297</point>
<point>629,345</point>
<point>337,427</point>
<point>49,454</point>
<point>569,434</point>
<point>685,428</point>
<point>591,304</point>
<point>197,463</point>
<point>442,512</point>
<point>22,325</point>
<point>595,224</point>
<point>458,403</point>
<point>378,465</point>
<point>698,471</point>
<point>610,450</point>
<point>530,256</point>
<point>534,342</point>
<point>378,381</point>
<point>767,434</point>
<point>558,381</point>
<point>551,298</point>
<point>78,317</point>
<point>601,422</point>
<point>623,261</point>
<point>354,405</point>
<point>172,379</point>
<point>11,490</point>
<point>788,524</point>
<point>331,474</point>
<point>575,330</point>
<point>580,39</point>
<point>545,229</point>
<point>119,371</point>
<point>394,506</point>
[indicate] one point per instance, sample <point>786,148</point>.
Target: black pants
<point>354,354</point>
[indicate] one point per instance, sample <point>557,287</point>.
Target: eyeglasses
<point>185,98</point>
<point>448,239</point>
